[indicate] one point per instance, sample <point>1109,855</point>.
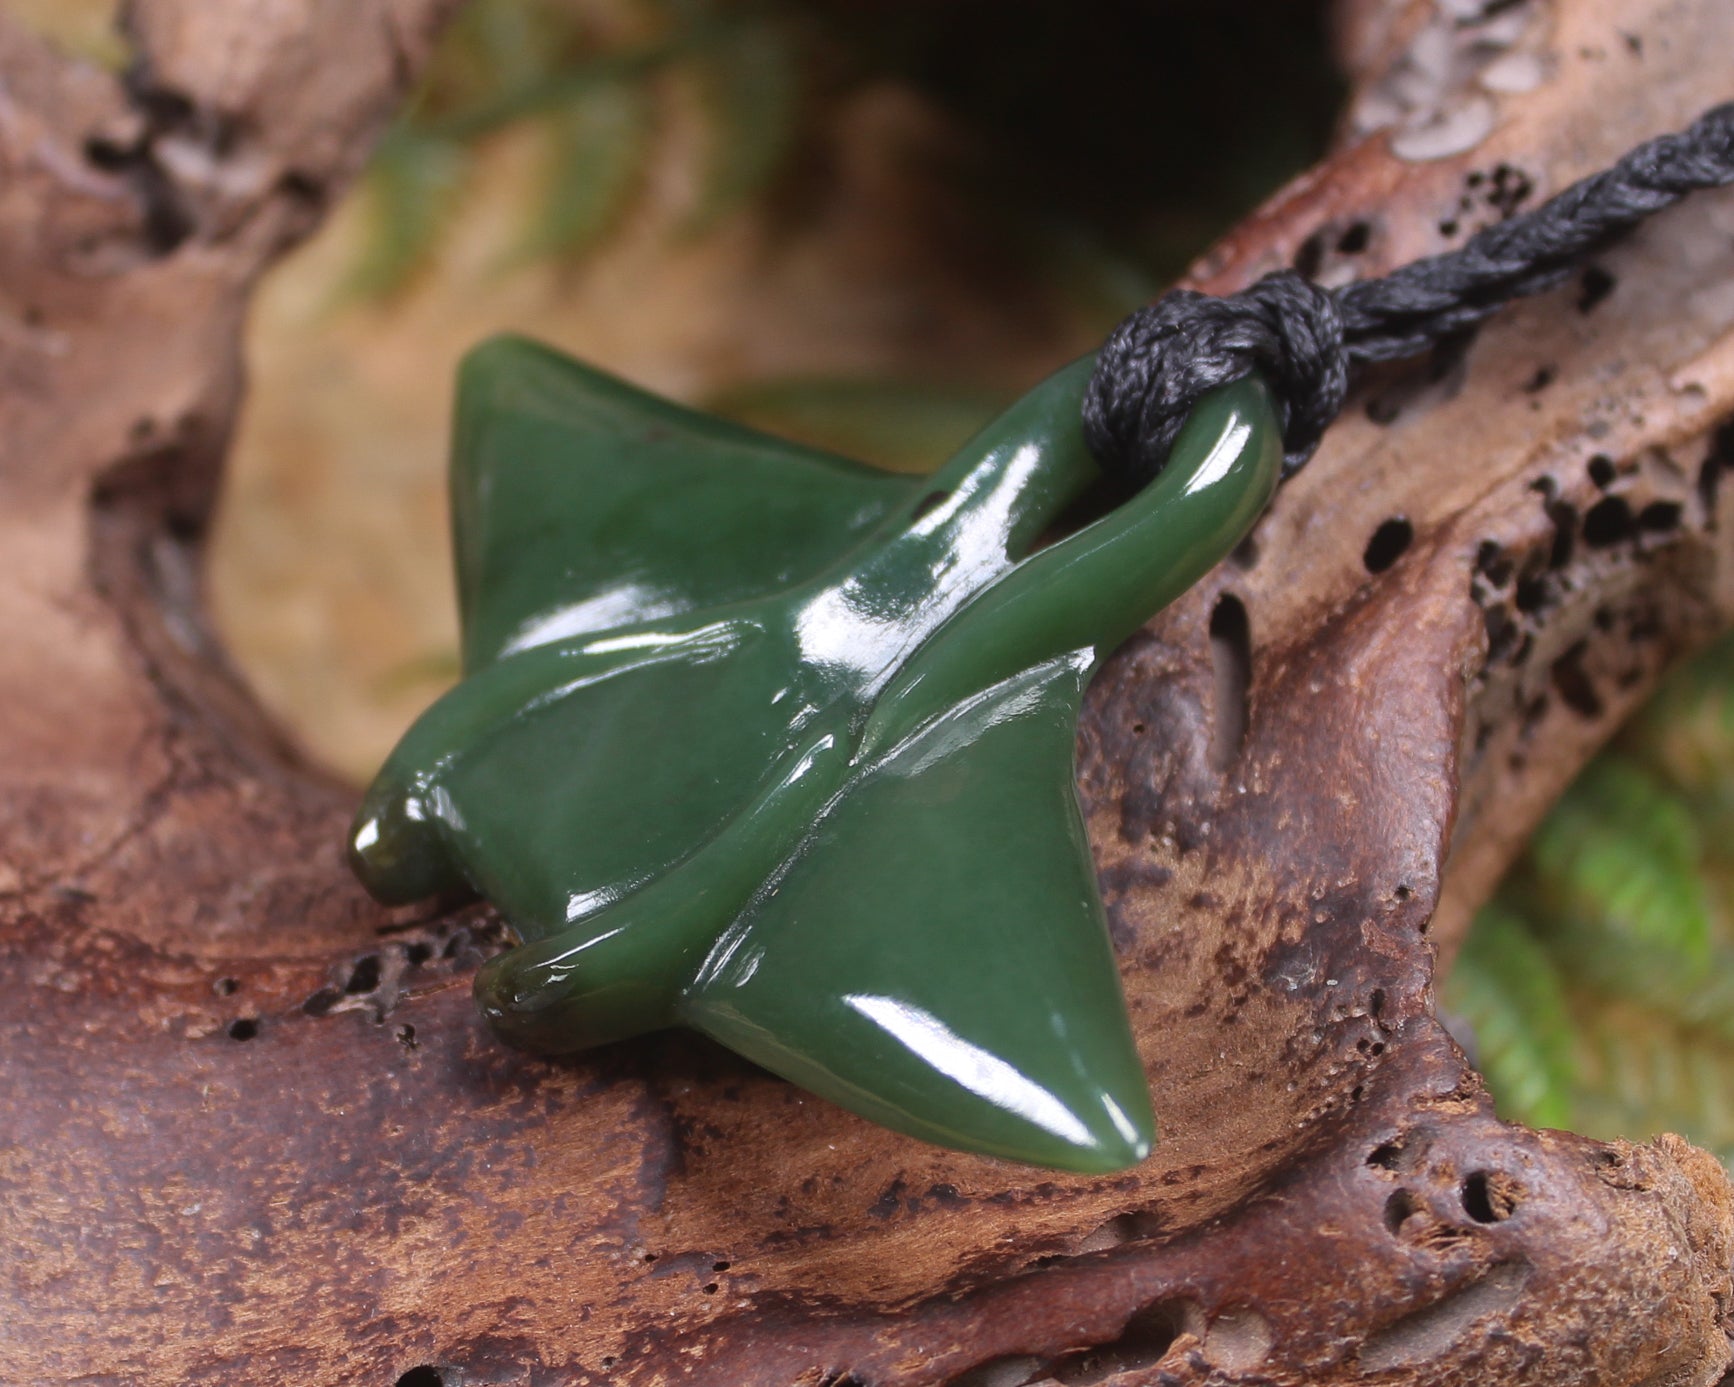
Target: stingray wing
<point>581,504</point>
<point>935,955</point>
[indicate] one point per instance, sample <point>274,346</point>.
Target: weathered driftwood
<point>251,1131</point>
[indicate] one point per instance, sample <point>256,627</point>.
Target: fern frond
<point>410,188</point>
<point>1617,869</point>
<point>497,46</point>
<point>561,88</point>
<point>1507,989</point>
<point>1629,889</point>
<point>597,153</point>
<point>749,85</point>
<point>1687,731</point>
<point>1642,1073</point>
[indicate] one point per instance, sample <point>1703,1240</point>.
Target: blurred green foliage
<point>1597,990</point>
<point>1103,144</point>
<point>1099,148</point>
<point>586,80</point>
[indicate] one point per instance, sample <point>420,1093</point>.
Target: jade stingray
<point>766,743</point>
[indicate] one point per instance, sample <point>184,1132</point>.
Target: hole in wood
<point>321,1002</point>
<point>1238,1340</point>
<point>1231,662</point>
<point>1147,1338</point>
<point>1660,516</point>
<point>1384,408</point>
<point>109,155</point>
<point>1400,1207</point>
<point>1502,633</point>
<point>1609,521</point>
<point>364,977</point>
<point>1564,517</point>
<point>1594,287</point>
<point>1012,1370</point>
<point>1428,1332</point>
<point>1122,1228</point>
<point>1388,544</point>
<point>1718,460</point>
<point>1491,560</point>
<point>1386,1156</point>
<point>1531,594</point>
<point>1490,1197</point>
<point>1573,683</point>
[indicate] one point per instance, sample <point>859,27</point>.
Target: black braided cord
<point>1305,340</point>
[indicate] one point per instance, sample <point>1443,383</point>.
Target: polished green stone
<point>766,743</point>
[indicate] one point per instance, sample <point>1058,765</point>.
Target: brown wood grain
<point>251,1131</point>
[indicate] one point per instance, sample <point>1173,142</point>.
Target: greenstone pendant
<point>766,743</point>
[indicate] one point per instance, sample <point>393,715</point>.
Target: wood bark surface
<point>251,1130</point>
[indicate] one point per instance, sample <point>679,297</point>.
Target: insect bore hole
<point>1388,544</point>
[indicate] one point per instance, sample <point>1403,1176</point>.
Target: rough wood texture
<point>252,1130</point>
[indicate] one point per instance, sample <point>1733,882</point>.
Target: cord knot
<point>1164,358</point>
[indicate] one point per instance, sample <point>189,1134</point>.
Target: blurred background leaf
<point>1508,997</point>
<point>1597,991</point>
<point>1064,120</point>
<point>750,91</point>
<point>596,156</point>
<point>412,185</point>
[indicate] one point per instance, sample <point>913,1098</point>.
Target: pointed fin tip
<point>1112,1132</point>
<point>1089,1115</point>
<point>1114,1147</point>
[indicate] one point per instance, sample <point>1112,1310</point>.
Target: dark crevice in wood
<point>1231,660</point>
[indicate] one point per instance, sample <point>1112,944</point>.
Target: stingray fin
<point>934,955</point>
<point>581,504</point>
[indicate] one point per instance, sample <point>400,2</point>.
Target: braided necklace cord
<point>1306,340</point>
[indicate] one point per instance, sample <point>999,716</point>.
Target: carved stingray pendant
<point>767,743</point>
